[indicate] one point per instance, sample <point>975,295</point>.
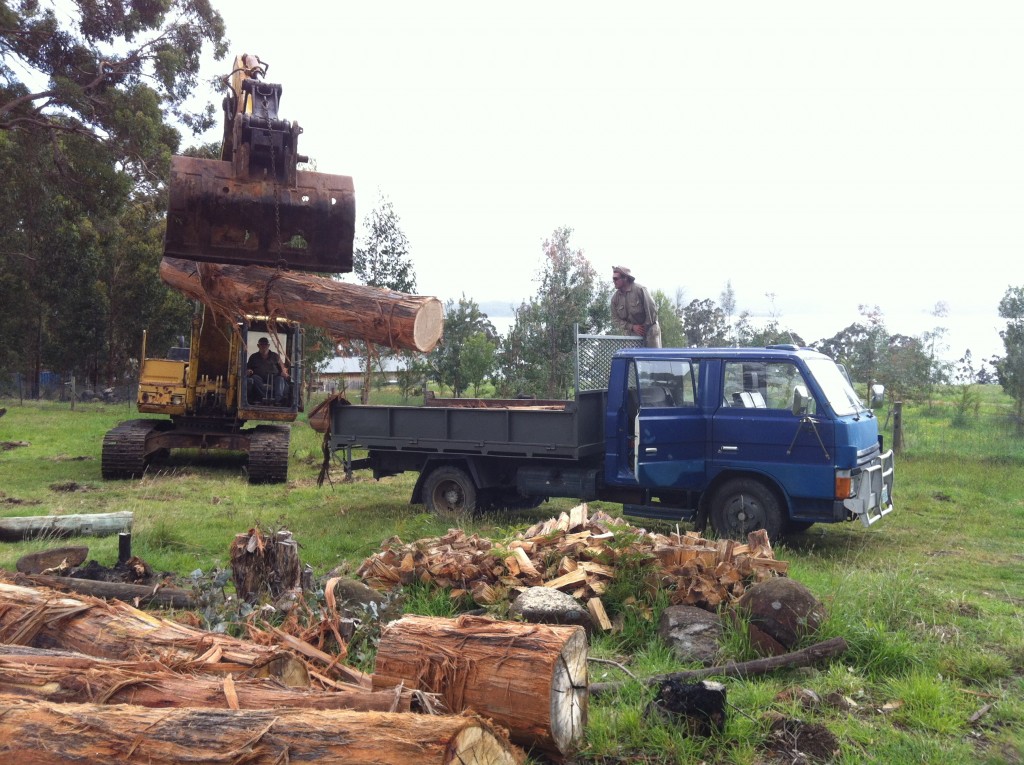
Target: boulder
<point>693,633</point>
<point>784,609</point>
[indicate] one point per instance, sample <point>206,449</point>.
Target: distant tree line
<point>90,108</point>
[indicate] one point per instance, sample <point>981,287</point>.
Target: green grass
<point>930,600</point>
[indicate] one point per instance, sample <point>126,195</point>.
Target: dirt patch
<point>6,446</point>
<point>69,458</point>
<point>799,743</point>
<point>17,501</point>
<point>70,486</point>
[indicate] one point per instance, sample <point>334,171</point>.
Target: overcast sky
<point>829,155</point>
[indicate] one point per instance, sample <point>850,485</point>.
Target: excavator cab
<point>253,206</point>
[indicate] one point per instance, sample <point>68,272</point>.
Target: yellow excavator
<point>250,207</point>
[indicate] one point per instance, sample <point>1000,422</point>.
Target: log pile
<point>576,553</point>
<point>80,675</point>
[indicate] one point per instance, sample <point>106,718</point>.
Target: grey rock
<point>545,605</point>
<point>693,633</point>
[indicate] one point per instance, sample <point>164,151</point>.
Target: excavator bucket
<point>217,213</point>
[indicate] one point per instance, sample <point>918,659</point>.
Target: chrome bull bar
<point>873,498</point>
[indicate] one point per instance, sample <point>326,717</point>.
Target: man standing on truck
<point>633,308</point>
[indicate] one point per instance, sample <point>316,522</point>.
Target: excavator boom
<point>253,206</point>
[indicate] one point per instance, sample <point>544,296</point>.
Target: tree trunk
<point>136,594</point>
<point>41,733</point>
<point>42,618</point>
<point>529,678</point>
<point>95,525</point>
<point>381,316</point>
<point>62,678</point>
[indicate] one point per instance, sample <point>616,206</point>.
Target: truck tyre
<point>449,492</point>
<point>743,505</point>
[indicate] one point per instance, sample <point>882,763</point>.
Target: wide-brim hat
<point>624,271</point>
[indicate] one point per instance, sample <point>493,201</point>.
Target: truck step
<point>660,512</point>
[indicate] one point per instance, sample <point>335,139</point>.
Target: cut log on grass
<point>55,561</point>
<point>136,594</point>
<point>805,657</point>
<point>529,678</point>
<point>394,319</point>
<point>62,678</point>
<point>92,525</point>
<point>43,618</point>
<point>40,732</point>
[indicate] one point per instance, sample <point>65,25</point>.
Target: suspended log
<point>136,594</point>
<point>40,733</point>
<point>529,678</point>
<point>43,618</point>
<point>394,319</point>
<point>63,677</point>
<point>93,525</point>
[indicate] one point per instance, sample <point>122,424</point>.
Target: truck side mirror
<point>801,401</point>
<point>877,395</point>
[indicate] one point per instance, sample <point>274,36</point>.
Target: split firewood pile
<point>576,553</point>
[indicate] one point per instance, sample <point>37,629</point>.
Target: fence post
<point>897,427</point>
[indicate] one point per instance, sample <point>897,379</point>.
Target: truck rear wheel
<point>449,491</point>
<point>743,505</point>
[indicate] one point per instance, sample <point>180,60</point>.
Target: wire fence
<point>992,432</point>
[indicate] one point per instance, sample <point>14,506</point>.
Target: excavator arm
<point>253,206</point>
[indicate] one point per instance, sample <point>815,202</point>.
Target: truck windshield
<point>841,397</point>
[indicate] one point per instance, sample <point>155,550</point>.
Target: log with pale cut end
<point>385,317</point>
<point>65,677</point>
<point>42,733</point>
<point>44,618</point>
<point>529,678</point>
<point>51,526</point>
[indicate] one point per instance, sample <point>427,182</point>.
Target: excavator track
<point>124,449</point>
<point>268,454</point>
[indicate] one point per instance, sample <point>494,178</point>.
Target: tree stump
<point>41,733</point>
<point>529,678</point>
<point>265,565</point>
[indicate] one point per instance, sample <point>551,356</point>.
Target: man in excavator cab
<point>267,375</point>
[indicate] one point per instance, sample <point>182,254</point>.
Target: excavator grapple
<point>253,206</point>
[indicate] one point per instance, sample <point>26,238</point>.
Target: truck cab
<point>772,438</point>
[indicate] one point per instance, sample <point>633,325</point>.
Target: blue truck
<point>744,438</point>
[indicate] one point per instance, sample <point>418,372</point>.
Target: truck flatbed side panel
<point>569,433</point>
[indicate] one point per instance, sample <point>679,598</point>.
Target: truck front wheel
<point>449,492</point>
<point>743,505</point>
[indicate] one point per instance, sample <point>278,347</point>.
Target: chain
<point>277,186</point>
